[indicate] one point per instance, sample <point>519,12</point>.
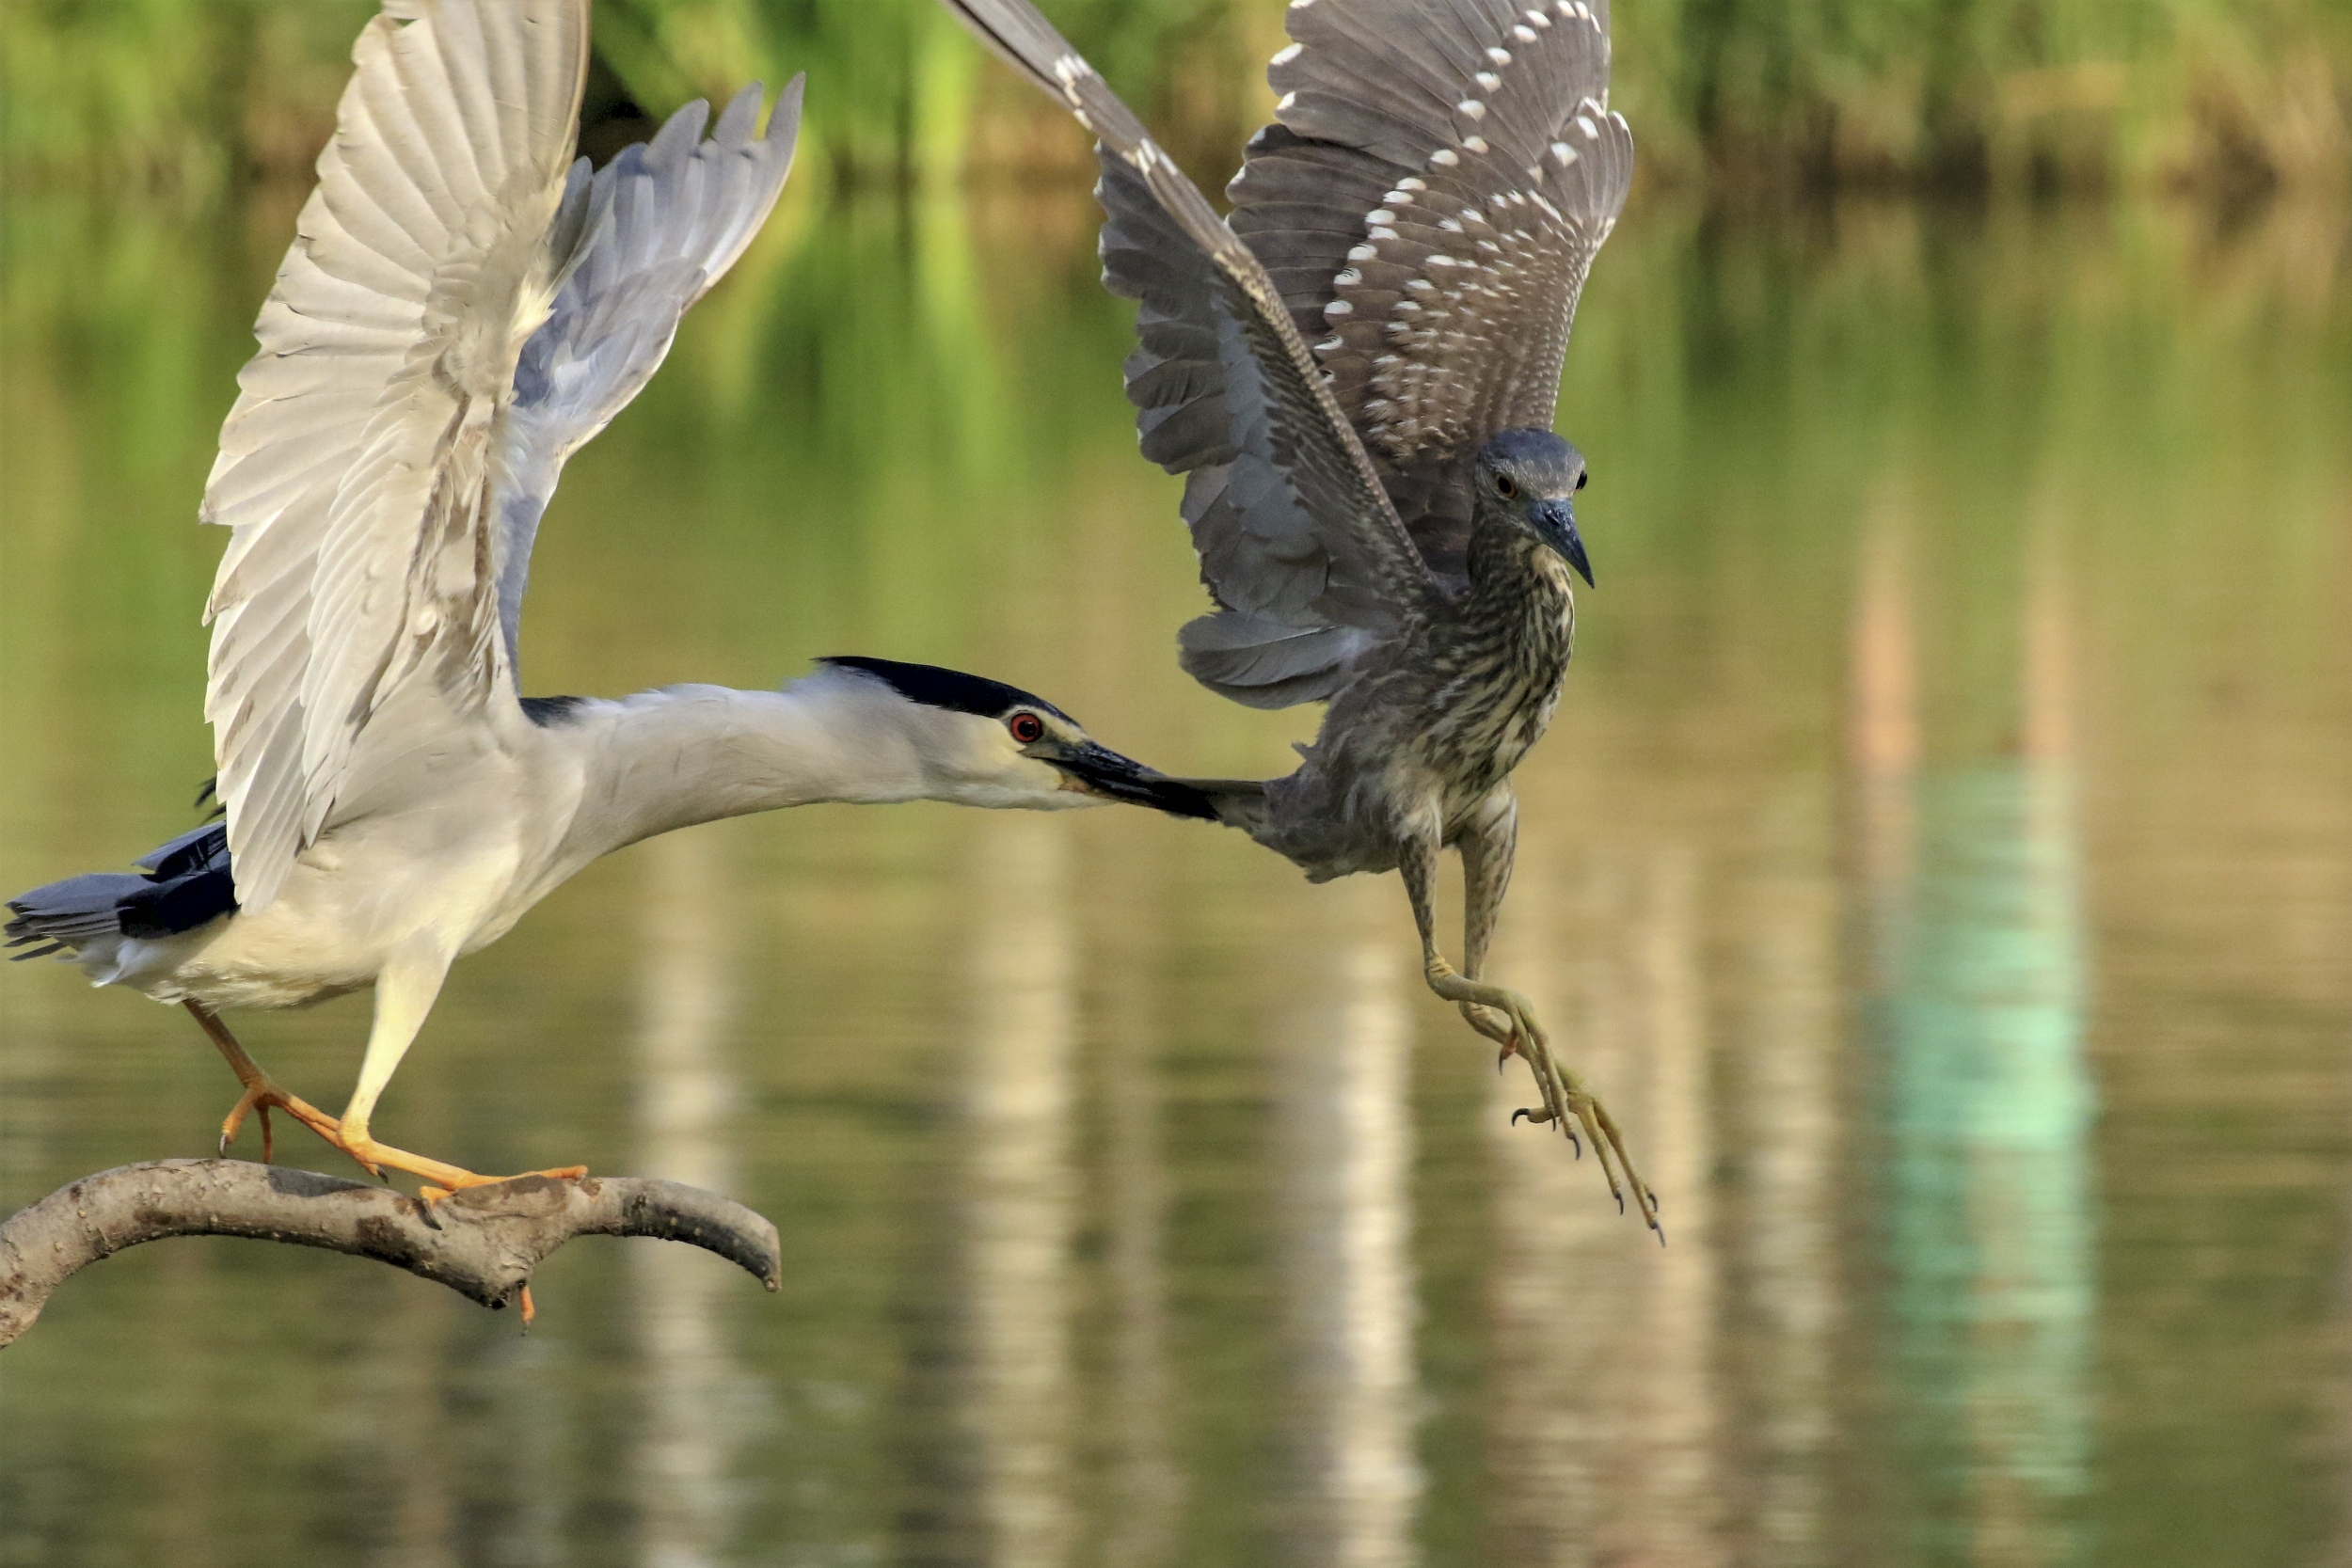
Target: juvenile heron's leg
<point>1486,850</point>
<point>1567,1103</point>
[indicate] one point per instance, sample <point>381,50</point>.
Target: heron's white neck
<point>684,754</point>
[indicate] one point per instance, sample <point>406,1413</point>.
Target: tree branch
<point>482,1242</point>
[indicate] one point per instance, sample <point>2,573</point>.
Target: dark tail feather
<point>71,912</point>
<point>189,883</point>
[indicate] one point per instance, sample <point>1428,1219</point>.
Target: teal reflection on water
<point>1990,1220</point>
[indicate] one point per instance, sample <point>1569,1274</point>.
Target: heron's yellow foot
<point>440,1177</point>
<point>262,1095</point>
<point>436,1190</point>
<point>1506,1017</point>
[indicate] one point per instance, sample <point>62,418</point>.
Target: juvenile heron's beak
<point>1555,524</point>
<point>1094,769</point>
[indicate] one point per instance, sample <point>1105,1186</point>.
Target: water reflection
<point>1989,1101</point>
<point>1147,1481</point>
<point>683,1463</point>
<point>1346,1139</point>
<point>1018,1190</point>
<point>1609,1427</point>
<point>1786,1093</point>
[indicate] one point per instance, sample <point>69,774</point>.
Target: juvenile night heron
<point>464,306</point>
<point>1356,374</point>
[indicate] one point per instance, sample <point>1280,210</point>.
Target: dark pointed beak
<point>1099,771</point>
<point>1556,523</point>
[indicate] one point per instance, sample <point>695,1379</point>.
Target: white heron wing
<point>356,468</point>
<point>669,217</point>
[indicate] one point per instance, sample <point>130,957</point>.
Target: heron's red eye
<point>1506,487</point>
<point>1026,727</point>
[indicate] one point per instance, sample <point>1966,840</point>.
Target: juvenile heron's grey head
<point>989,744</point>
<point>1529,477</point>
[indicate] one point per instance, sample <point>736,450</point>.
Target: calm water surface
<point>1943,864</point>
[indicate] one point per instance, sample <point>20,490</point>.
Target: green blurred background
<point>1740,97</point>
<point>1943,860</point>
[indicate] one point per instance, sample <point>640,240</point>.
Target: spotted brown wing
<point>1297,536</point>
<point>1428,202</point>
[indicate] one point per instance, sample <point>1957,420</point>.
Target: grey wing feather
<point>1430,200</point>
<point>1294,530</point>
<point>665,220</point>
<point>355,469</point>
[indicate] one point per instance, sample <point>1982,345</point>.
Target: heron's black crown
<point>952,689</point>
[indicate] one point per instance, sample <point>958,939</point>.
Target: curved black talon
<point>1574,1142</point>
<point>1523,1110</point>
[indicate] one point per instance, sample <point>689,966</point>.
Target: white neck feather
<point>684,754</point>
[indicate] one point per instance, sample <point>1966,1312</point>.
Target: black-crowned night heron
<point>464,307</point>
<point>1356,375</point>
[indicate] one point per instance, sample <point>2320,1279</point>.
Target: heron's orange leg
<point>263,1093</point>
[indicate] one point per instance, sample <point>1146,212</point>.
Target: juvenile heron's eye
<point>1026,727</point>
<point>1506,486</point>
<point>1580,479</point>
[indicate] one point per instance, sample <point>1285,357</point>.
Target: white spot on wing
<point>1499,56</point>
<point>1475,144</point>
<point>1563,151</point>
<point>1472,107</point>
<point>1363,253</point>
<point>1445,157</point>
<point>1286,56</point>
<point>1283,107</point>
<point>1488,79</point>
<point>1339,307</point>
<point>1584,123</point>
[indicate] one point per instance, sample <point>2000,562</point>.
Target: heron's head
<point>1529,477</point>
<point>982,743</point>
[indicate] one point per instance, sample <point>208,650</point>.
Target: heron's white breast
<point>459,867</point>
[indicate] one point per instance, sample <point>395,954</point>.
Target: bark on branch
<point>482,1242</point>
